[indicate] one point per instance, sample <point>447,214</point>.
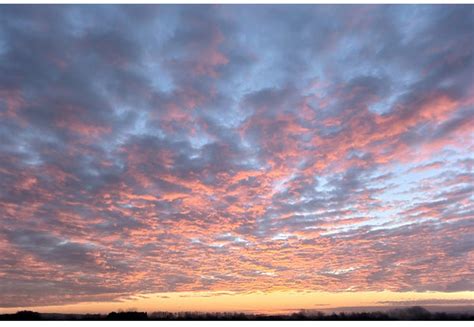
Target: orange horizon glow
<point>259,302</point>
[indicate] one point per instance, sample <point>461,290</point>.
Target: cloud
<point>227,148</point>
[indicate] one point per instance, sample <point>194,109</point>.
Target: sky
<point>235,157</point>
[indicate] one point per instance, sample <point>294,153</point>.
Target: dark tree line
<point>412,313</point>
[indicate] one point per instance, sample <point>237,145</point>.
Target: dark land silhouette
<point>410,313</point>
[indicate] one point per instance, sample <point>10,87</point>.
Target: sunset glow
<point>236,157</point>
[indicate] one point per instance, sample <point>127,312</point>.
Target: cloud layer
<point>234,148</point>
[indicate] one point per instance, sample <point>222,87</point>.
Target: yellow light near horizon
<point>261,302</point>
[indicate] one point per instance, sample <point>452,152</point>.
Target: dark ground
<point>411,313</point>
